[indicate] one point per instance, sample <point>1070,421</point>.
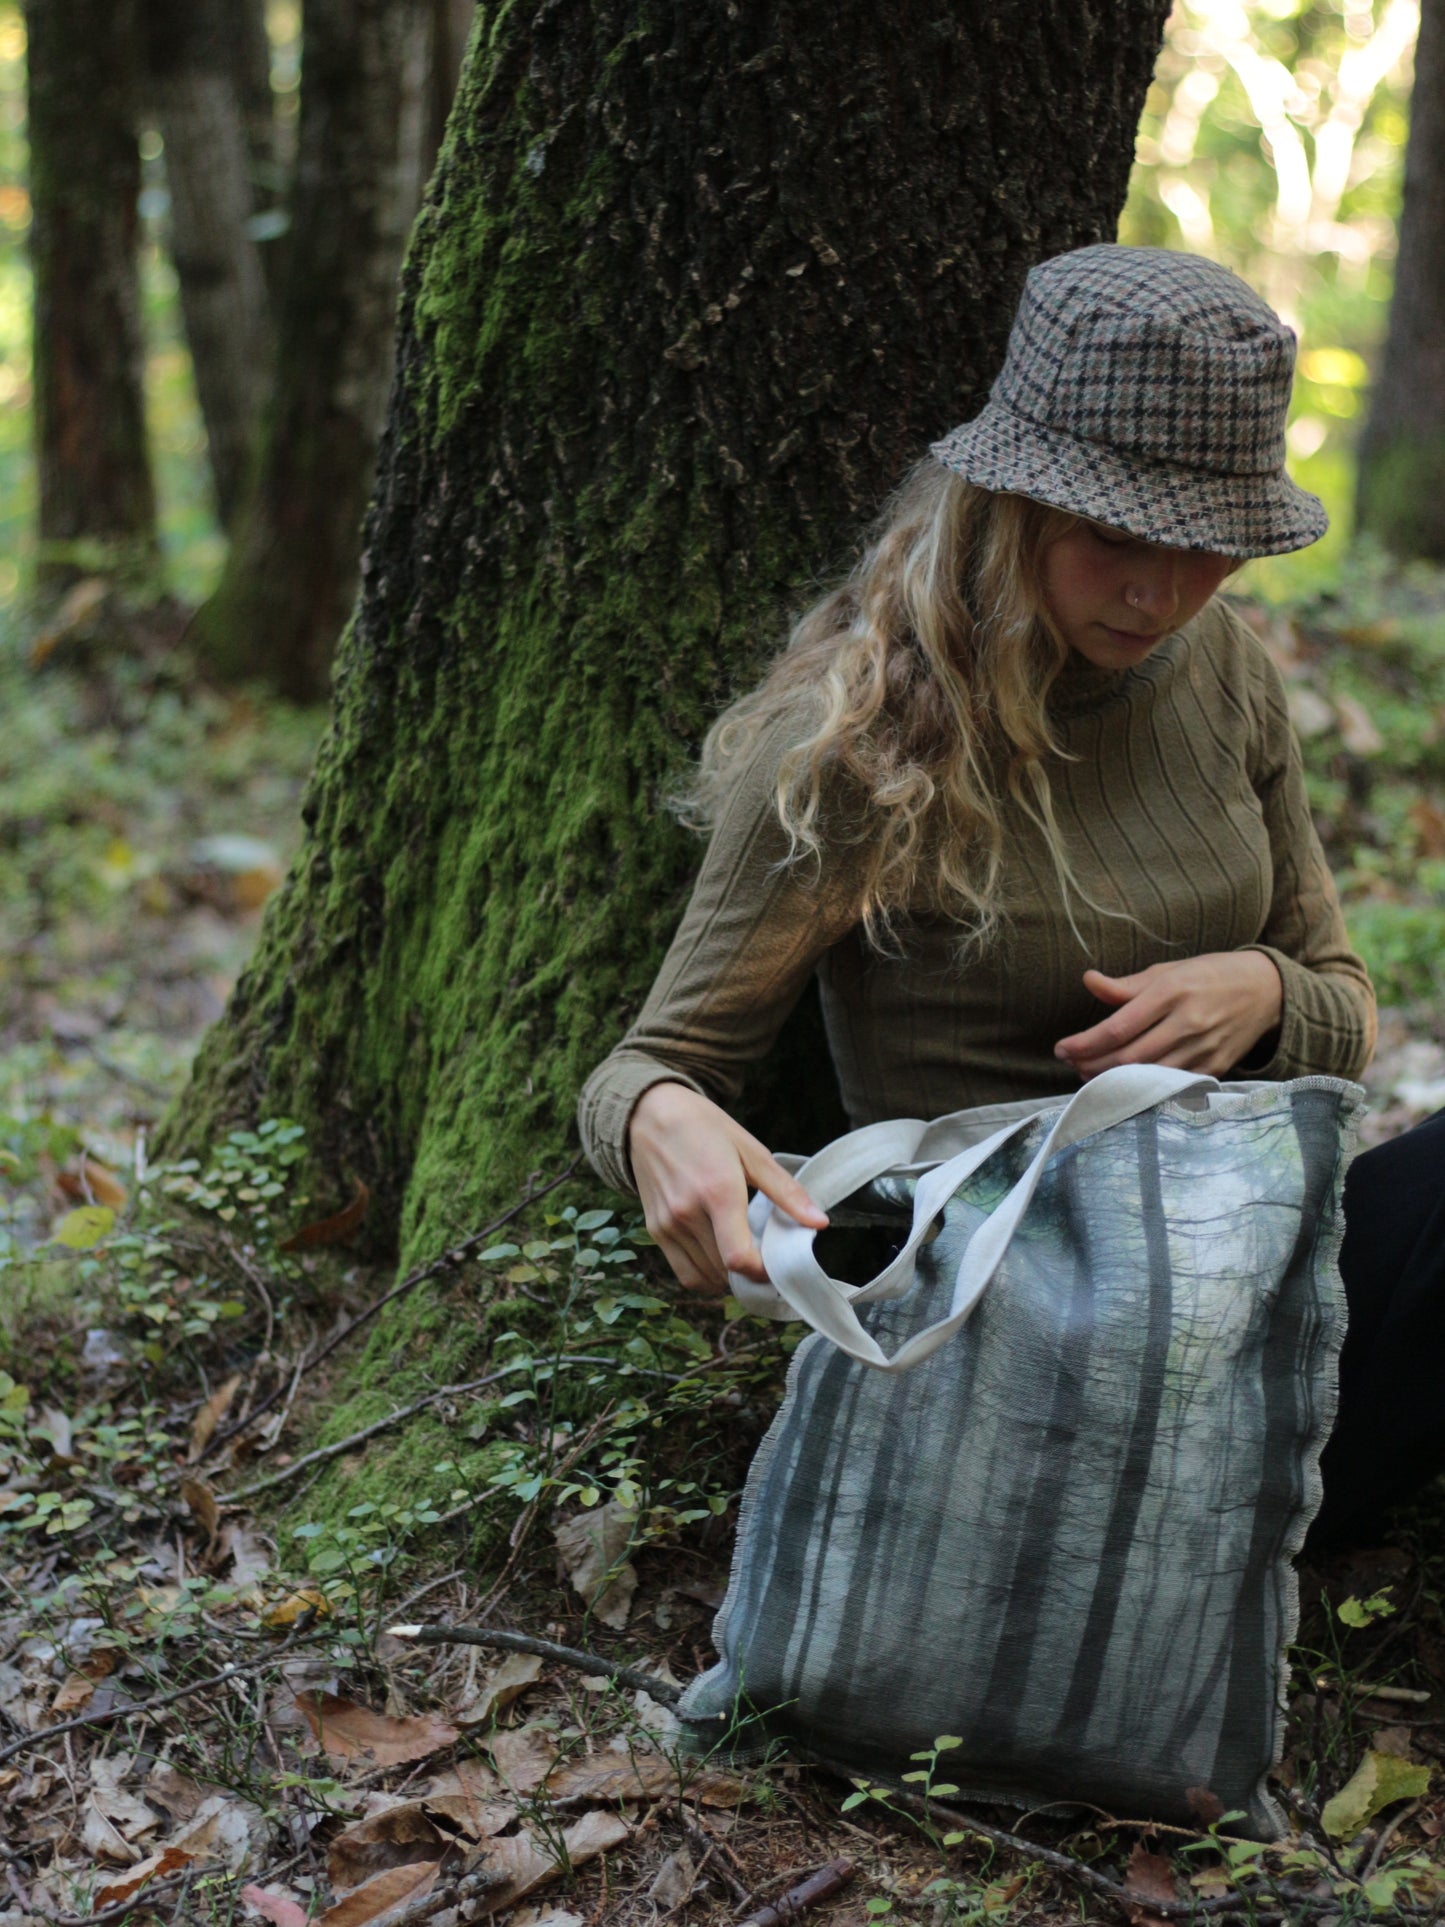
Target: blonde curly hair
<point>924,677</point>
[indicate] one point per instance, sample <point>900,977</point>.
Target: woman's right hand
<point>694,1166</point>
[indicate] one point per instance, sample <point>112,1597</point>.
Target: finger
<point>1112,990</point>
<point>694,1270</point>
<point>763,1170</point>
<point>693,1265</point>
<point>736,1248</point>
<point>1139,1015</point>
<point>1156,1046</point>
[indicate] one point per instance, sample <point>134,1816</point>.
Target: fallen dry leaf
<point>644,1775</point>
<point>114,1818</point>
<point>398,1837</point>
<point>525,1866</point>
<point>290,1609</point>
<point>174,1793</point>
<point>674,1881</point>
<point>279,1908</point>
<point>501,1686</point>
<point>52,1425</point>
<point>523,1755</point>
<point>210,1415</point>
<point>471,1798</point>
<point>349,1732</point>
<point>334,1230</point>
<point>73,1697</point>
<point>1205,1804</point>
<point>380,1895</point>
<point>248,1553</point>
<point>92,1183</point>
<point>1149,1877</point>
<point>594,1547</point>
<point>220,1829</point>
<point>201,1503</point>
<point>1396,1740</point>
<point>113,1892</point>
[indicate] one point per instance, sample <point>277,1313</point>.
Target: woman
<point>1025,795</point>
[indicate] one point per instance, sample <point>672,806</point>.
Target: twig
<point>138,1709</point>
<point>1242,1904</point>
<point>818,1886</point>
<point>1387,1834</point>
<point>447,1261</point>
<point>258,1283</point>
<point>631,1676</point>
<point>710,1847</point>
<point>324,1452</point>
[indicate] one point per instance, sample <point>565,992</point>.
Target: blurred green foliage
<point>1273,140</point>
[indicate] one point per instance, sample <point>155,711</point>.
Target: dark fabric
<point>1390,1434</point>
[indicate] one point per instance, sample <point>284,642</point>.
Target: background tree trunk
<point>691,289</point>
<point>290,578</point>
<point>97,502</point>
<point>1402,455</point>
<point>197,86</point>
<point>450,32</point>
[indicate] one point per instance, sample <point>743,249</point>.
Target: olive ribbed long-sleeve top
<point>1180,799</point>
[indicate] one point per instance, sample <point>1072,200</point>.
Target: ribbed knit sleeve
<point>752,932</point>
<point>1328,1023</point>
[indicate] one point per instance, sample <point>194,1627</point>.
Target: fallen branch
<point>447,1261</point>
<point>630,1676</point>
<point>818,1886</point>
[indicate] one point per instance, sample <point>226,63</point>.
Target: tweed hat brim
<point>1167,502</point>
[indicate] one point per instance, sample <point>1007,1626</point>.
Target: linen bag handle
<point>839,1169</point>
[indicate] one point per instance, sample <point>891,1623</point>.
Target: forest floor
<point>204,1714</point>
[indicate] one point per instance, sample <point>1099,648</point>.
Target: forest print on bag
<point>1065,1536</point>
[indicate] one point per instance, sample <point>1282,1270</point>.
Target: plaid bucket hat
<point>1147,390</point>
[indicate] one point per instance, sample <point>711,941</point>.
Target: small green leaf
<point>495,1253</point>
<point>1380,1781</point>
<point>84,1227</point>
<point>592,1220</point>
<point>946,1743</point>
<point>854,1800</point>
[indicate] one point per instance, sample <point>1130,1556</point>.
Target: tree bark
<point>1402,455</point>
<point>690,290</point>
<point>290,578</point>
<point>97,501</point>
<point>196,94</point>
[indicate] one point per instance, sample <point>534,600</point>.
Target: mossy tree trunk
<point>1402,454</point>
<point>197,87</point>
<point>691,288</point>
<point>290,578</point>
<point>97,501</point>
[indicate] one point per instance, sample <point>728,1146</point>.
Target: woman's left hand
<point>1200,1014</point>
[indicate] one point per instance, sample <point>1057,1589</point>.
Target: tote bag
<point>1037,1485</point>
